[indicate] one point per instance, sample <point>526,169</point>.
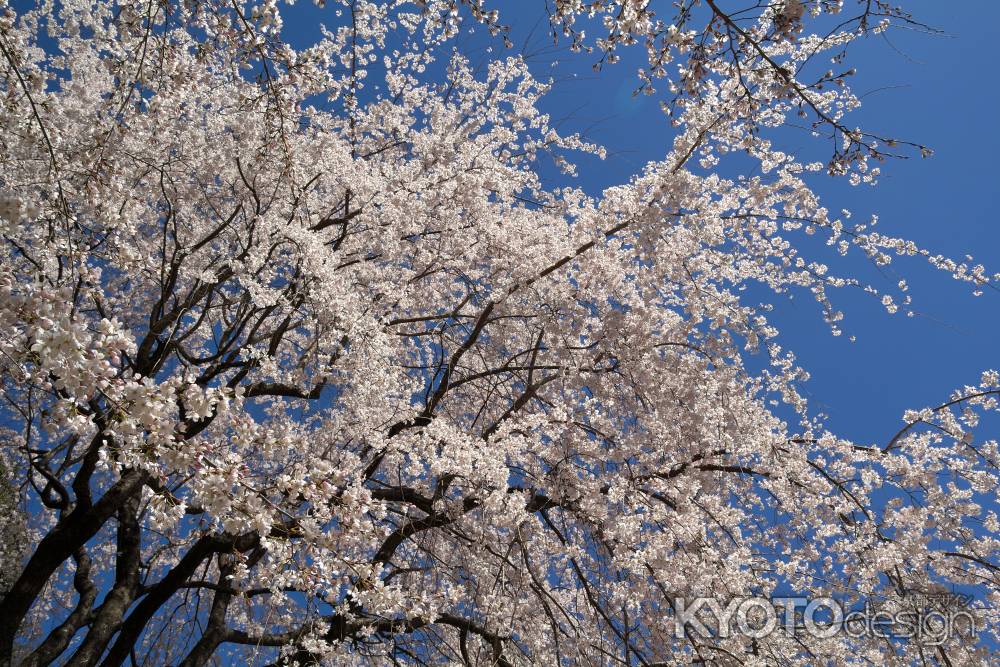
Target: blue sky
<point>934,89</point>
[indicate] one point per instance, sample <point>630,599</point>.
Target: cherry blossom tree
<point>303,363</point>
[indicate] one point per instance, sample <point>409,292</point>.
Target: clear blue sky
<point>937,90</point>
